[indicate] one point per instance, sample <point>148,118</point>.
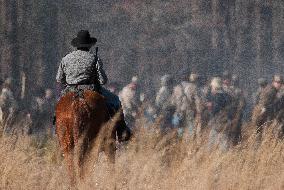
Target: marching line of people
<point>219,106</point>
<point>184,102</point>
<point>188,105</point>
<point>35,115</point>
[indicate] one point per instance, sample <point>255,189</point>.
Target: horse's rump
<point>79,116</point>
<point>85,112</point>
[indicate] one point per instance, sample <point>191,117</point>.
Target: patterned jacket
<point>78,68</point>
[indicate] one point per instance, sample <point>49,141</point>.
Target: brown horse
<point>80,118</point>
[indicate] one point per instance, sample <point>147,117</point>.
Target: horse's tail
<point>81,114</point>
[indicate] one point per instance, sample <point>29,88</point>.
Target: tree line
<point>145,38</point>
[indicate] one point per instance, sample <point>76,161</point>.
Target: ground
<point>148,161</point>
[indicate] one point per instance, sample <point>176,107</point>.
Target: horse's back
<point>91,97</point>
<point>88,108</point>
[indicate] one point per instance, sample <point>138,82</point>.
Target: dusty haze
<point>146,38</point>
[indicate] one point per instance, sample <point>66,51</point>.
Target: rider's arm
<point>102,75</point>
<point>60,77</point>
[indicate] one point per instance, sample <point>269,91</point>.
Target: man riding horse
<point>85,107</point>
<point>80,70</point>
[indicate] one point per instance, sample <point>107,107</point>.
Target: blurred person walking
<point>279,114</point>
<point>8,104</point>
<point>194,101</point>
<point>264,111</point>
<point>36,112</point>
<point>164,93</point>
<point>179,101</point>
<point>130,100</point>
<point>164,108</point>
<point>218,103</point>
<point>49,102</point>
<point>238,108</point>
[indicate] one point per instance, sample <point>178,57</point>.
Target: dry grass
<point>149,161</point>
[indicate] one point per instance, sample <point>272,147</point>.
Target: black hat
<point>83,39</point>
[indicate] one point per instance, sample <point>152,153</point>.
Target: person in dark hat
<point>81,69</point>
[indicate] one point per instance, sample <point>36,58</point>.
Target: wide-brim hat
<point>83,39</point>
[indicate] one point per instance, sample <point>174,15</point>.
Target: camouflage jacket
<point>78,68</point>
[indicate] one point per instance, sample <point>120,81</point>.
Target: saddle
<point>79,88</point>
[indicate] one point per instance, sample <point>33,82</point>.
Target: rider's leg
<point>114,106</point>
<point>112,100</point>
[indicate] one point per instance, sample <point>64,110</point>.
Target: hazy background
<point>148,39</point>
<point>145,38</point>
